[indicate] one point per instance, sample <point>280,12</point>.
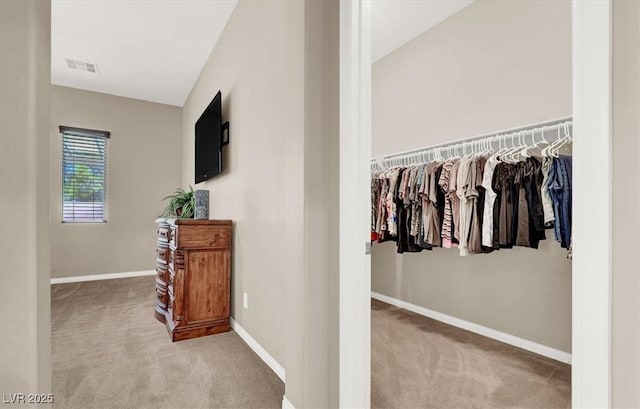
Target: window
<point>84,175</point>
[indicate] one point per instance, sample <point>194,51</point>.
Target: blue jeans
<point>559,185</point>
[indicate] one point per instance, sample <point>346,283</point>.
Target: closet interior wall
<point>491,66</point>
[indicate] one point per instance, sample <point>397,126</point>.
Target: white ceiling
<point>396,22</point>
<point>152,50</point>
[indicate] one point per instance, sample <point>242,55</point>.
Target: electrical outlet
<point>245,301</point>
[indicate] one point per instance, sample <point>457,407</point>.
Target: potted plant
<point>181,204</point>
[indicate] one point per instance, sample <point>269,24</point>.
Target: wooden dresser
<point>193,281</point>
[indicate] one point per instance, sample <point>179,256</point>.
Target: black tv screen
<point>209,141</point>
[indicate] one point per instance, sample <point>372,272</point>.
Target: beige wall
<point>320,368</point>
<point>492,66</point>
<point>276,65</point>
<point>626,205</point>
<point>257,64</point>
<point>25,347</point>
<point>144,165</point>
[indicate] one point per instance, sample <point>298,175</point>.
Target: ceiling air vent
<point>82,65</point>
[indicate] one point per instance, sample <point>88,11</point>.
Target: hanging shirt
<point>392,217</point>
<point>375,193</point>
<point>414,202</point>
<point>455,203</point>
<point>430,205</point>
<point>533,184</point>
<point>489,201</point>
<point>503,178</point>
<point>465,205</point>
<point>447,222</point>
<point>381,219</point>
<point>547,203</point>
<point>476,195</point>
<point>522,223</point>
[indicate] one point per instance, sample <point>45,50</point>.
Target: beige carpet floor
<point>109,352</point>
<point>418,362</point>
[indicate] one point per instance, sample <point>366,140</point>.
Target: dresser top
<point>202,222</point>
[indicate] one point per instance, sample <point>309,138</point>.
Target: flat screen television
<point>209,141</point>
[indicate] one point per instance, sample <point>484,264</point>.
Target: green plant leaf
<point>180,201</point>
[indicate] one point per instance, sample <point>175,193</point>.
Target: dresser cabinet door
<point>176,287</point>
<point>207,285</point>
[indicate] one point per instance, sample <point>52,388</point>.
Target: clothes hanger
<point>522,142</point>
<point>523,152</point>
<point>497,152</point>
<point>542,139</point>
<point>487,146</point>
<point>565,140</point>
<point>535,144</point>
<point>559,141</point>
<point>492,150</point>
<point>470,152</point>
<point>548,151</point>
<point>517,157</point>
<point>506,156</point>
<point>543,151</point>
<point>514,156</point>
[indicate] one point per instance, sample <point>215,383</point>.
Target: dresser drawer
<point>201,236</point>
<point>162,254</point>
<point>173,233</point>
<point>162,298</point>
<point>160,283</point>
<point>163,234</point>
<point>162,272</point>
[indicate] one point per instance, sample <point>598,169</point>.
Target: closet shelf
<point>549,130</point>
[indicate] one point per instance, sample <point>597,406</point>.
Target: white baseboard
<point>95,277</point>
<point>286,404</point>
<point>258,349</point>
<point>478,329</point>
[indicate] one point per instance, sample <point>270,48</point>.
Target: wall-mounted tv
<point>209,140</point>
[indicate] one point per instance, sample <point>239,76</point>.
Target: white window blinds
<point>84,175</point>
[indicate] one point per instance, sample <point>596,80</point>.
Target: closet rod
<point>548,126</point>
